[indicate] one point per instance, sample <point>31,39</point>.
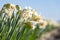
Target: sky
<point>47,8</point>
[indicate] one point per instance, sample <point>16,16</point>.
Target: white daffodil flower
<point>35,12</point>
<point>8,9</point>
<point>43,24</point>
<point>38,18</point>
<point>27,14</point>
<point>33,23</point>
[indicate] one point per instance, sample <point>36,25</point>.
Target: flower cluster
<point>30,15</point>
<point>34,18</point>
<point>8,9</point>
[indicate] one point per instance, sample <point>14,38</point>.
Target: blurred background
<point>47,8</point>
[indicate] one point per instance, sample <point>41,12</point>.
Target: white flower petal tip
<point>33,23</point>
<point>28,7</point>
<point>12,6</point>
<point>43,24</point>
<point>33,27</point>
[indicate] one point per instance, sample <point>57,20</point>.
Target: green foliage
<point>12,29</point>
